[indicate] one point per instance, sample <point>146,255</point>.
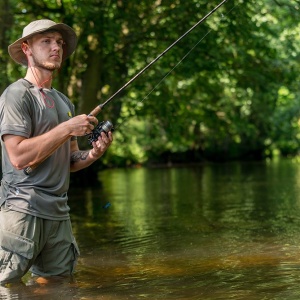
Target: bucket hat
<point>40,26</point>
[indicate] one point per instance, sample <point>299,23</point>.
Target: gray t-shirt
<point>28,111</point>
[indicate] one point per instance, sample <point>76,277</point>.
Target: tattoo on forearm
<point>79,155</point>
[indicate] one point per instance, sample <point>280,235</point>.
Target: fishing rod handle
<point>96,110</point>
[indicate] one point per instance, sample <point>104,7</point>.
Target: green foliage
<point>228,90</point>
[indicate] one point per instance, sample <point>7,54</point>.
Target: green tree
<point>228,90</point>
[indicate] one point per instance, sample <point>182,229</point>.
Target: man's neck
<point>40,78</point>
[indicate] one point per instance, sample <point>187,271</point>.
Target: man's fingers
<point>92,120</point>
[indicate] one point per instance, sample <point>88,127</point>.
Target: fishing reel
<point>104,126</point>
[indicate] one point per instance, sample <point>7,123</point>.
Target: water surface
<point>214,231</point>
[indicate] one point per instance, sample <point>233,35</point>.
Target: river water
<point>213,231</point>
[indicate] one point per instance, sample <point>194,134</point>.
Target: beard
<point>46,65</point>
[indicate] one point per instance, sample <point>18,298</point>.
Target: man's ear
<point>26,49</point>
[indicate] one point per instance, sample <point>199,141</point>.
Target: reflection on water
<point>52,288</point>
<point>219,231</point>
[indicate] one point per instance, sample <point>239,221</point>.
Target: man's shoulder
<point>18,87</point>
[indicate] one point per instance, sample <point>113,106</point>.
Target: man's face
<point>47,50</point>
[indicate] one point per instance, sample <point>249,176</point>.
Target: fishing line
<point>162,79</point>
<point>123,120</point>
<point>99,107</point>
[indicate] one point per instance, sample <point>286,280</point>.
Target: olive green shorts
<point>45,247</point>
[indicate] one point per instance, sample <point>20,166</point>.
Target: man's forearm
<point>31,152</point>
<point>82,159</point>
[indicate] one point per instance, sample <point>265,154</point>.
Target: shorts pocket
<point>17,244</point>
<point>15,255</point>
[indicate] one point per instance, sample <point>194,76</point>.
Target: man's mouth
<point>55,56</point>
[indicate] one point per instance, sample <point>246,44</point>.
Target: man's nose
<point>57,44</point>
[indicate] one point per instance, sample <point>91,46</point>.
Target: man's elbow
<point>18,165</point>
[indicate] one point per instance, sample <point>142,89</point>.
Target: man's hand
<point>81,125</point>
<point>101,145</point>
<point>81,159</point>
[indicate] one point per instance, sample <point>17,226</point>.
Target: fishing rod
<point>106,126</point>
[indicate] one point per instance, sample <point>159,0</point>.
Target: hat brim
<point>69,36</point>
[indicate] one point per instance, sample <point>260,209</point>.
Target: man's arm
<point>30,152</point>
<point>82,159</point>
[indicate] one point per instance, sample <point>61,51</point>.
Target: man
<point>38,135</point>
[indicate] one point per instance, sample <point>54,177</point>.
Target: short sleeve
<point>15,112</point>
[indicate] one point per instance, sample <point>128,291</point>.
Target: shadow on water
<point>219,231</point>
